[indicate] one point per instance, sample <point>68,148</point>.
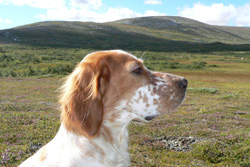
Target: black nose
<point>183,83</point>
<point>148,118</point>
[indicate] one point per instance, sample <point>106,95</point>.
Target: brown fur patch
<point>107,134</point>
<point>81,101</point>
<point>114,116</point>
<point>96,149</point>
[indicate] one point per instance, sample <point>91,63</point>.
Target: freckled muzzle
<point>171,89</point>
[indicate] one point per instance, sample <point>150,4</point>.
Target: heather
<point>211,128</point>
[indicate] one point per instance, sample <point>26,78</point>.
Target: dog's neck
<point>112,141</point>
<point>115,134</point>
<point>116,123</point>
<point>111,144</point>
<point>118,134</point>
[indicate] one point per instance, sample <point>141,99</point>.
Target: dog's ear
<point>82,98</point>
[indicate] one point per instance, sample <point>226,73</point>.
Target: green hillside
<point>179,28</point>
<point>145,33</point>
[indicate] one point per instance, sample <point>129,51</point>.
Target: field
<point>211,128</point>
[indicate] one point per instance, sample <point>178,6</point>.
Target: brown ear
<point>82,99</point>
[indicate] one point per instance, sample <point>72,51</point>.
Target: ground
<point>211,128</point>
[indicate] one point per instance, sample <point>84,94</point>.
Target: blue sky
<point>20,12</point>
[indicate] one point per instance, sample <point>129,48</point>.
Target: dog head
<point>117,87</point>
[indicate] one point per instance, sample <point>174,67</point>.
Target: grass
<point>215,113</point>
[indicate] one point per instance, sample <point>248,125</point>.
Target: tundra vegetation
<point>211,128</point>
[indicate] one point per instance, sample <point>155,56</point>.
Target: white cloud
<point>95,4</point>
<point>81,10</point>
<point>243,15</point>
<point>153,13</point>
<point>85,14</point>
<point>116,14</point>
<point>69,14</point>
<point>152,2</point>
<point>45,4</point>
<point>217,14</point>
<point>6,21</point>
<point>90,10</point>
<point>54,4</point>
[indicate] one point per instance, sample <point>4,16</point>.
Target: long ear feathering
<point>82,98</point>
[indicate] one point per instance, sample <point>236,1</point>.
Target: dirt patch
<point>183,144</point>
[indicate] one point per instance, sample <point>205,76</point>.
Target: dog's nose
<point>183,83</point>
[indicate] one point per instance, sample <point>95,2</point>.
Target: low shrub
<point>204,90</point>
<point>8,73</point>
<point>216,152</point>
<point>231,96</point>
<point>211,151</point>
<point>199,65</point>
<point>59,69</point>
<point>213,65</point>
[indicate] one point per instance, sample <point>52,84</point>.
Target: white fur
<point>65,150</point>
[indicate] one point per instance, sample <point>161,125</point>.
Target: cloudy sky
<point>20,12</point>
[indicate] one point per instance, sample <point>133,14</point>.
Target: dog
<point>104,93</point>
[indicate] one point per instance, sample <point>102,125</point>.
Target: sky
<point>15,13</point>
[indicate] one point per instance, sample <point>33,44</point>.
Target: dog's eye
<point>138,70</point>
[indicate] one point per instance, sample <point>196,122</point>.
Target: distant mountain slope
<point>191,30</point>
<point>145,33</point>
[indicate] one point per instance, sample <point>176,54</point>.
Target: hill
<point>145,33</point>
